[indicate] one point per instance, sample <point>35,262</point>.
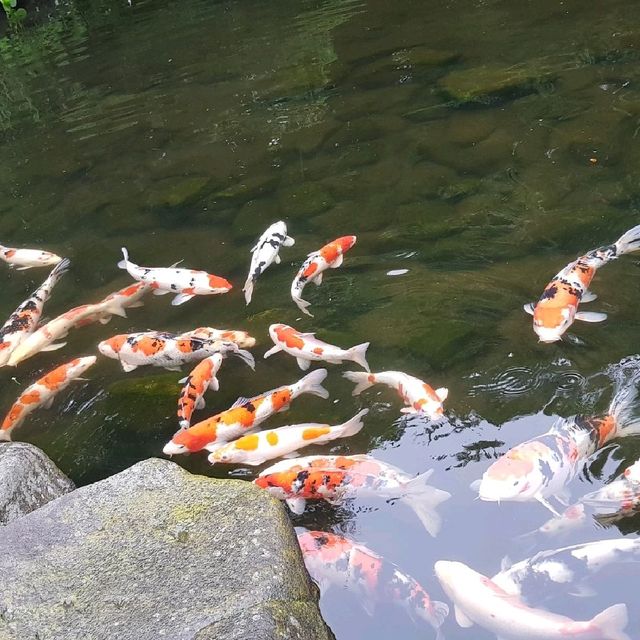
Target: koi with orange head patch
<point>128,297</point>
<point>42,393</point>
<point>306,348</point>
<point>257,448</point>
<point>245,414</point>
<point>329,257</point>
<point>419,397</point>
<point>23,321</point>
<point>22,259</point>
<point>557,307</point>
<point>241,338</point>
<point>334,561</point>
<point>338,478</point>
<point>186,283</point>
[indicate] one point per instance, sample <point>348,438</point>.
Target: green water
<point>479,145</point>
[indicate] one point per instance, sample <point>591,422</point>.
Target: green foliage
<point>15,16</point>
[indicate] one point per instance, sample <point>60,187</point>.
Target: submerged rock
<point>28,480</point>
<point>157,552</point>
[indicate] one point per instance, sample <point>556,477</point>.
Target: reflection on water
<point>474,147</point>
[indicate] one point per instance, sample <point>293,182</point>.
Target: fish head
<point>111,347</point>
<point>275,331</point>
<point>632,473</point>
<point>174,448</point>
<point>280,228</point>
<point>78,366</point>
<point>346,242</point>
<point>217,283</point>
<point>227,455</point>
<point>273,484</point>
<point>452,576</point>
<point>550,323</point>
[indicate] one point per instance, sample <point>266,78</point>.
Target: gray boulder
<point>28,480</point>
<point>155,552</point>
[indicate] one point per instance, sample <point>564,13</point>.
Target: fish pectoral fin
<point>172,368</point>
<point>406,410</point>
<point>277,259</point>
<point>181,298</point>
<point>462,618</point>
<point>318,279</point>
<point>475,485</point>
<point>106,319</point>
<point>128,367</point>
<point>590,316</point>
<point>160,292</point>
<point>183,380</point>
<point>337,262</point>
<point>303,364</point>
<point>296,505</point>
<point>200,404</point>
<point>54,347</point>
<point>288,242</point>
<point>529,307</point>
<point>588,296</point>
<point>22,268</point>
<point>547,504</point>
<point>273,350</point>
<point>290,455</point>
<point>47,403</point>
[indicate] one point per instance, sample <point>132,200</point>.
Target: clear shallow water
<point>480,145</point>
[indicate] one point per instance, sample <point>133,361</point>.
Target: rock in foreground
<point>155,552</point>
<point>28,480</point>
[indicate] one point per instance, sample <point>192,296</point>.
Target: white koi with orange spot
<point>256,448</point>
<point>416,394</point>
<point>128,297</point>
<point>186,283</point>
<point>329,257</point>
<point>557,307</point>
<point>245,414</point>
<point>305,348</point>
<point>241,338</point>
<point>42,392</point>
<point>22,259</point>
<point>23,321</point>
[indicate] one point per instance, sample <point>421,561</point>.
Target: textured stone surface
<point>28,480</point>
<point>155,552</point>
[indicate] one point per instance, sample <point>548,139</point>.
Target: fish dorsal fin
<point>505,564</point>
<point>442,393</point>
<point>461,618</point>
<point>529,307</point>
<point>240,401</point>
<point>175,264</point>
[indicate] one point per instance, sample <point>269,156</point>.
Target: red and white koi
<point>265,253</point>
<point>305,348</point>
<point>621,496</point>
<point>186,283</point>
<point>330,256</point>
<point>416,394</point>
<point>162,349</point>
<point>256,448</point>
<point>22,259</point>
<point>571,518</point>
<point>23,321</point>
<point>128,297</point>
<point>557,307</point>
<point>338,478</point>
<point>241,338</point>
<point>541,467</point>
<point>42,393</point>
<point>243,416</point>
<point>334,561</point>
<point>479,600</point>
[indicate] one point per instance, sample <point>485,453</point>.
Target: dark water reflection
<point>479,145</point>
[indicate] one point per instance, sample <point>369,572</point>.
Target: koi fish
<point>42,393</point>
<point>416,394</point>
<point>256,448</point>
<point>541,467</point>
<point>571,518</point>
<point>22,259</point>
<point>128,297</point>
<point>329,257</point>
<point>338,478</point>
<point>187,283</point>
<point>241,338</point>
<point>243,416</point>
<point>162,349</point>
<point>203,377</point>
<point>265,253</point>
<point>305,348</point>
<point>571,565</point>
<point>23,321</point>
<point>557,307</point>
<point>333,561</point>
<point>479,600</point>
<point>621,496</point>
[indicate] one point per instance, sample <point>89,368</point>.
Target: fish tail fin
<point>248,289</point>
<point>302,305</point>
<point>629,241</point>
<point>439,613</point>
<point>362,380</point>
<point>612,622</point>
<point>58,271</point>
<point>312,383</point>
<point>624,407</point>
<point>247,357</point>
<point>358,354</point>
<point>423,499</point>
<point>352,426</point>
<point>124,264</point>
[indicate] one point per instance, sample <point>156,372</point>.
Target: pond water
<point>480,145</point>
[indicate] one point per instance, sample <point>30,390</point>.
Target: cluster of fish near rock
<point>536,470</point>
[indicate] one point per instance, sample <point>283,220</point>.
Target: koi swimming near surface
<point>241,338</point>
<point>22,259</point>
<point>338,478</point>
<point>330,256</point>
<point>621,496</point>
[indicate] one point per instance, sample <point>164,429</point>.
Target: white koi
<point>22,259</point>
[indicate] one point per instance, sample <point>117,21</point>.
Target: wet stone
<point>306,199</point>
<point>174,192</point>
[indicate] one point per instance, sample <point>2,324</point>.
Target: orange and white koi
<point>265,253</point>
<point>243,416</point>
<point>42,393</point>
<point>557,307</point>
<point>186,283</point>
<point>162,349</point>
<point>128,297</point>
<point>621,496</point>
<point>329,257</point>
<point>416,394</point>
<point>338,478</point>
<point>22,259</point>
<point>256,448</point>
<point>241,338</point>
<point>203,377</point>
<point>541,467</point>
<point>23,321</point>
<point>305,348</point>
<point>334,561</point>
<point>479,600</point>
